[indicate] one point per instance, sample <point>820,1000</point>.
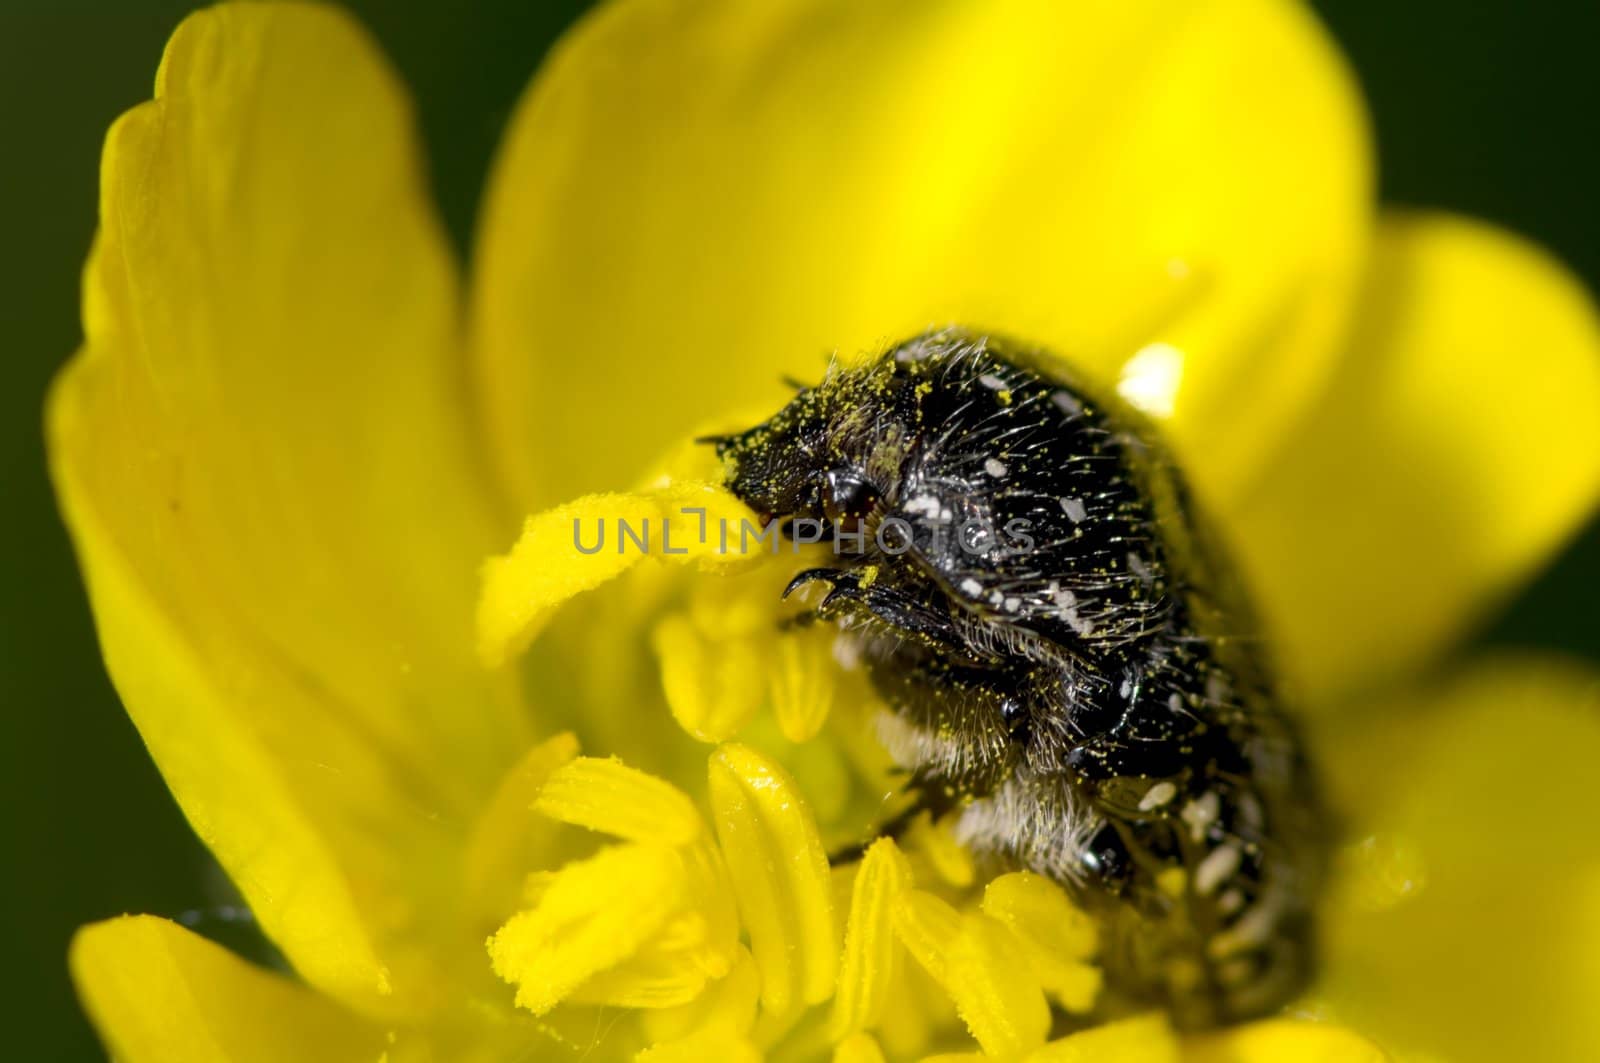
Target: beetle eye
<point>847,497</point>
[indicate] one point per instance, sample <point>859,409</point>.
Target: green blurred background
<point>1488,108</point>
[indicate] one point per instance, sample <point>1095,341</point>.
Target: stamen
<point>553,562</point>
<point>712,686</point>
<point>780,876</point>
<point>597,913</point>
<point>1055,936</point>
<point>606,795</point>
<point>803,682</point>
<point>871,951</point>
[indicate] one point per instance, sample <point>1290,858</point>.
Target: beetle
<point>1068,665</point>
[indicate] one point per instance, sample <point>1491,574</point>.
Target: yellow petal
<point>576,547</point>
<point>606,795</point>
<point>1457,447</point>
<point>1481,787</point>
<point>695,197</point>
<point>803,681</point>
<point>265,458</point>
<point>779,873</point>
<point>595,914</point>
<point>1141,1039</point>
<point>712,686</point>
<point>158,993</point>
<point>1282,1041</point>
<point>871,952</point>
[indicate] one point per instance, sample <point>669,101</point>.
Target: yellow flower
<point>290,441</point>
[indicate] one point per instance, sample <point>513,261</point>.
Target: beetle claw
<point>830,576</point>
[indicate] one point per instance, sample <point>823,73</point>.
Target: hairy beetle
<point>1068,668</point>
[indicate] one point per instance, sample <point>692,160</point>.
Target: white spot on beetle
<point>1067,403</point>
<point>1201,813</point>
<point>1137,566</point>
<point>1074,509</point>
<point>1252,928</point>
<point>1217,867</point>
<point>995,467</point>
<point>1066,604</point>
<point>1250,813</point>
<point>1158,795</point>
